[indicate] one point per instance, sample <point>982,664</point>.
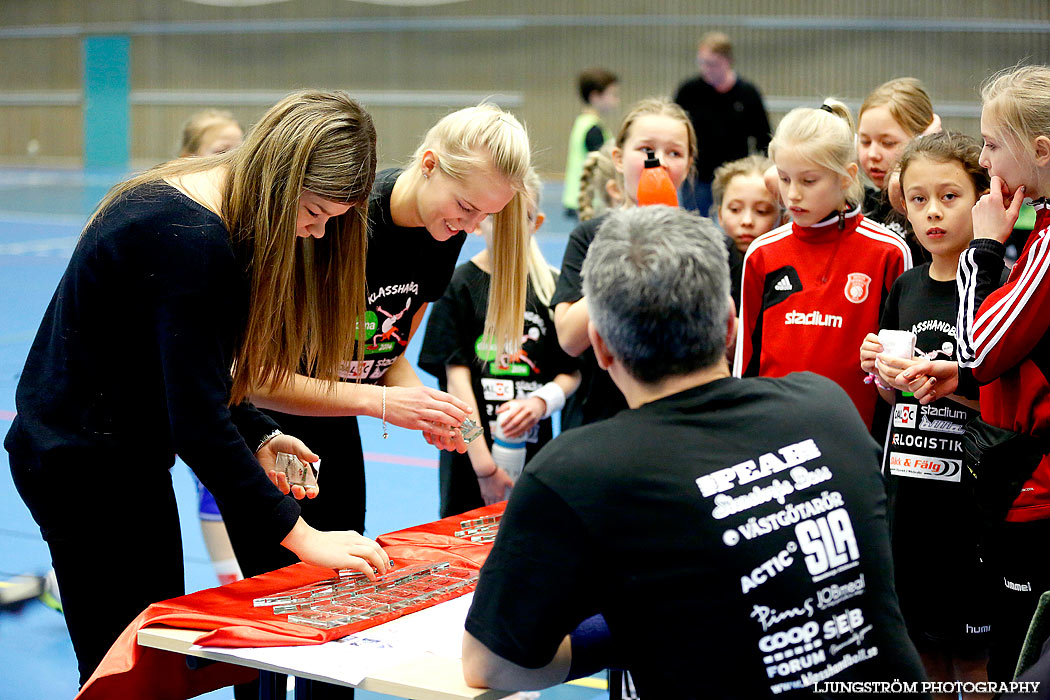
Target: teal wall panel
<point>107,104</point>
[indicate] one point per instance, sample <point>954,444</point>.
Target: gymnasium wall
<point>410,61</point>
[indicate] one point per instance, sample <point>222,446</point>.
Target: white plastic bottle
<point>508,453</point>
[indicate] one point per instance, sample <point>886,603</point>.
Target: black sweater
<point>131,363</point>
<point>729,125</point>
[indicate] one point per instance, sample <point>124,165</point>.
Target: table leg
<point>272,686</point>
<point>304,688</point>
<point>307,689</point>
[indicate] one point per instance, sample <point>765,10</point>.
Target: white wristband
<point>553,396</point>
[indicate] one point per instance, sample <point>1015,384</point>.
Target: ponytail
<point>598,170</point>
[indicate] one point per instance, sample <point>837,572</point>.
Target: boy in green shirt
<point>600,92</point>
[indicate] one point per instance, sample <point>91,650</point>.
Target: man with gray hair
<point>732,532</point>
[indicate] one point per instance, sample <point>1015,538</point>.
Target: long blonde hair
<point>306,295</point>
<point>907,102</point>
<point>598,170</point>
<point>483,137</point>
<point>825,138</point>
<point>540,273</point>
<point>1019,99</point>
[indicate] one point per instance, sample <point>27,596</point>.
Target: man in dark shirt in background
<point>728,115</point>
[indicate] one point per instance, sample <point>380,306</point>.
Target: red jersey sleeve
<point>998,329</point>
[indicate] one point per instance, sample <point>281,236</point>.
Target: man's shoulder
<point>621,431</point>
<point>690,87</point>
<point>794,401</point>
<point>813,403</point>
<point>794,388</point>
<point>801,386</point>
<point>585,447</point>
<point>746,87</point>
<point>781,403</point>
<point>585,231</point>
<point>582,437</point>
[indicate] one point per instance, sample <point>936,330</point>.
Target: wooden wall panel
<point>55,130</point>
<point>39,64</point>
<point>529,49</point>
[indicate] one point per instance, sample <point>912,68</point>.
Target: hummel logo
<point>784,285</point>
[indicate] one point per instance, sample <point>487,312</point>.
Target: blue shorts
<point>206,505</point>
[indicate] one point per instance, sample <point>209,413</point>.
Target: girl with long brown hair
<point>252,259</point>
<point>471,164</point>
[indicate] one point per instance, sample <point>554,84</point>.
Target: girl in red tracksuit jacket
<point>813,289</point>
<point>1003,336</point>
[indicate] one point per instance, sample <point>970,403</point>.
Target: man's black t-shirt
<point>597,396</point>
<point>733,535</point>
<point>729,125</point>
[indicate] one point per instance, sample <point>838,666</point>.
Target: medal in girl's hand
<point>470,430</point>
<point>299,473</point>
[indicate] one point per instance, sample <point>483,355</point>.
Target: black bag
<point>999,462</point>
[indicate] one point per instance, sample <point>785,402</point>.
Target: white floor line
<point>45,246</point>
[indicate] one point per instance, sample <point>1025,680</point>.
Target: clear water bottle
<point>508,453</point>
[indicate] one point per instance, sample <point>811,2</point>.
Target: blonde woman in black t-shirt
<point>470,165</point>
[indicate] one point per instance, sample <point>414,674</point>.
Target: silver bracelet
<point>267,438</point>
<point>385,433</point>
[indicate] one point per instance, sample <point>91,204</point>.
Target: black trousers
<point>1020,571</point>
<point>340,505</point>
<point>458,484</point>
<point>112,526</point>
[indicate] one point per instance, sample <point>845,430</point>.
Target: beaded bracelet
<point>385,433</point>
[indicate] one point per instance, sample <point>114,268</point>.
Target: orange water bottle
<point>654,185</point>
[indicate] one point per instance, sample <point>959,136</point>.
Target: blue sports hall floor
<point>41,214</point>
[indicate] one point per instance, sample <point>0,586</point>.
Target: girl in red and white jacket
<point>812,289</point>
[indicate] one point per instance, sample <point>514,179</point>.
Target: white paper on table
<point>436,630</point>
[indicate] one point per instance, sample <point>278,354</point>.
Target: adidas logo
<point>784,285</point>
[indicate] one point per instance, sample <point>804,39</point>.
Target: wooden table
<point>427,678</point>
